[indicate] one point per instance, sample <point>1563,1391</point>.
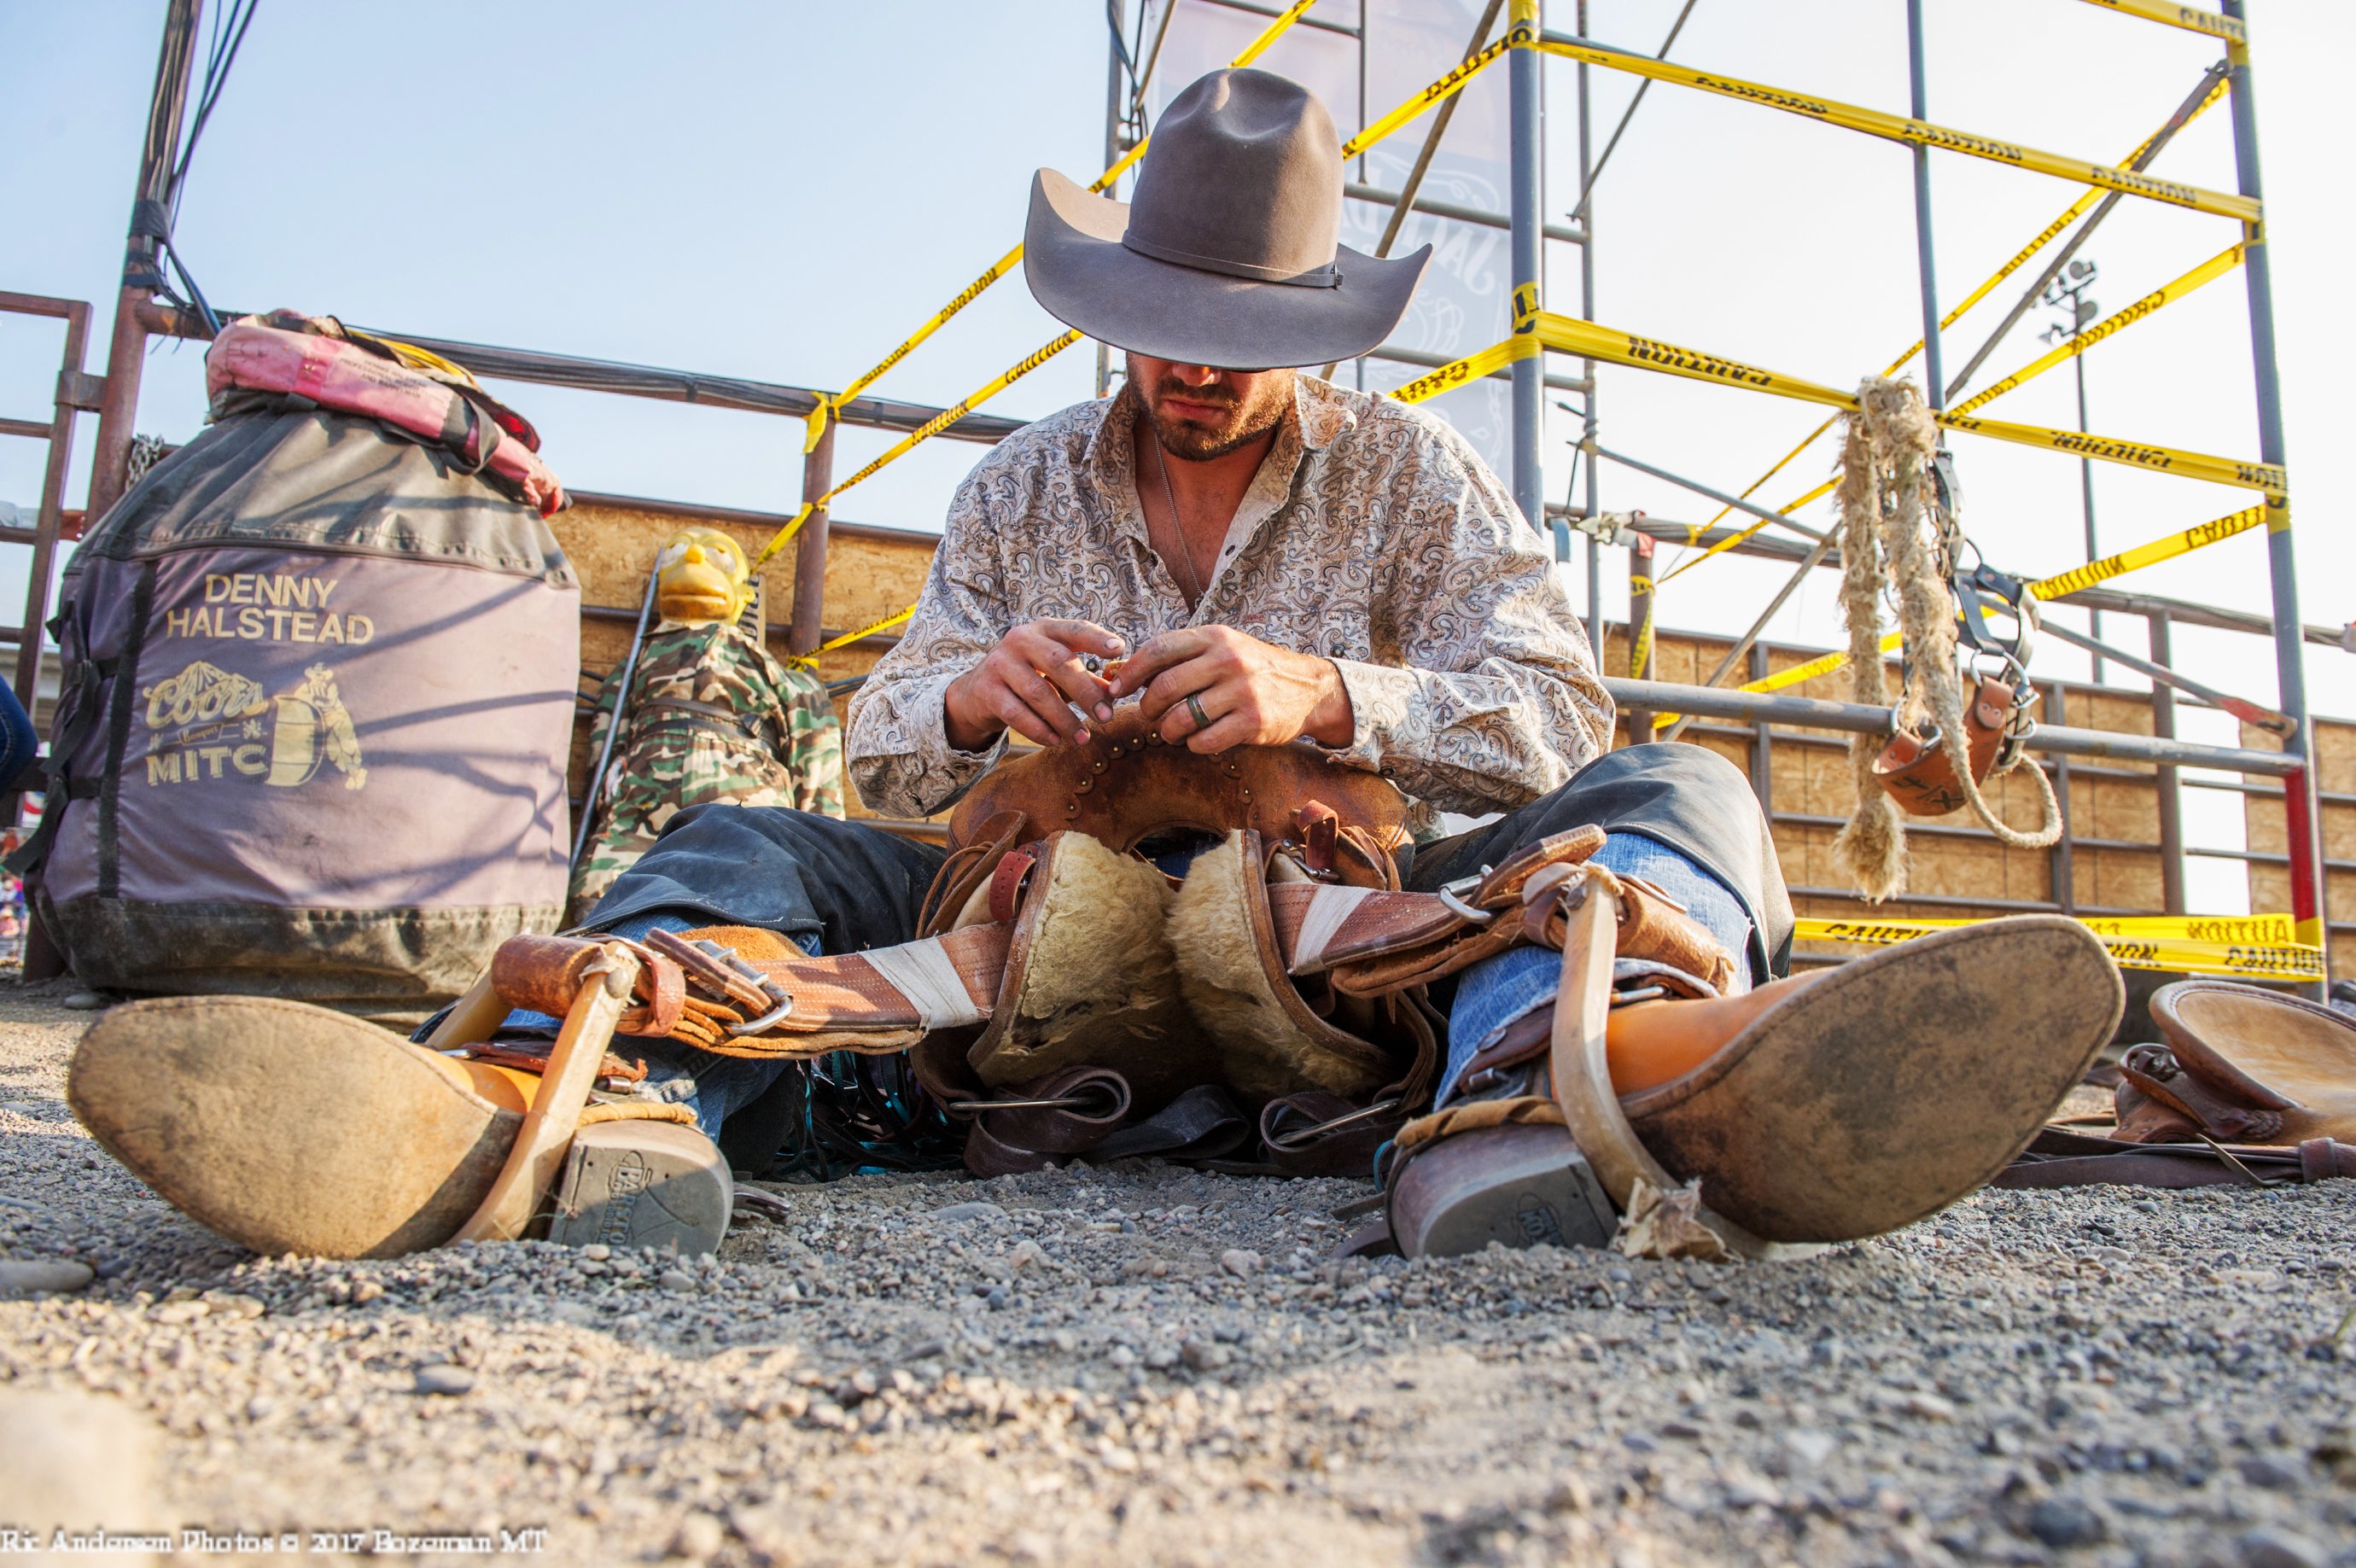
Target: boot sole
<point>1515,1186</point>
<point>288,1128</point>
<point>1893,1087</point>
<point>643,1184</point>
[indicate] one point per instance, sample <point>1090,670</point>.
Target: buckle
<point>735,978</point>
<point>1451,894</point>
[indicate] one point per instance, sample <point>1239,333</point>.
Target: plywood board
<point>612,546</point>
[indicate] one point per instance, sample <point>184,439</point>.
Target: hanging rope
<point>1897,536</point>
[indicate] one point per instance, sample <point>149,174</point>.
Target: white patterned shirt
<point>1372,536</point>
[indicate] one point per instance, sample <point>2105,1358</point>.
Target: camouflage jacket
<point>784,747</point>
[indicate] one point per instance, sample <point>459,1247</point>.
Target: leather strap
<point>1006,882</point>
<point>932,983</point>
<point>2060,1156</point>
<point>1582,1069</point>
<point>1004,1142</point>
<point>1372,943</point>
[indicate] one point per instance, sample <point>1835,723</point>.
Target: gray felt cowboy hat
<point>1227,255</point>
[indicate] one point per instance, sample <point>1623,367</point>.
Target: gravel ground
<point>1150,1365</point>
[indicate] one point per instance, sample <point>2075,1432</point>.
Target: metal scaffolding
<point>138,313</point>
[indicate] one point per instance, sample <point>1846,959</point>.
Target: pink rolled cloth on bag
<point>349,379</point>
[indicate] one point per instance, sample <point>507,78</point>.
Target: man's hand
<point>1253,693</point>
<point>1028,683</point>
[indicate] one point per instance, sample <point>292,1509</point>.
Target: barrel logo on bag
<point>207,723</point>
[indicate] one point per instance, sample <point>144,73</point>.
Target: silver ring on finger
<point>1194,707</point>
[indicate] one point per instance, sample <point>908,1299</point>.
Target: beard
<point>1240,421</point>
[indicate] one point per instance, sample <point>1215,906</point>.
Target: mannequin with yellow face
<point>708,715</point>
<point>702,576</point>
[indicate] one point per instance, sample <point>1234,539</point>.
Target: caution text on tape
<point>1917,133</point>
<point>2264,950</point>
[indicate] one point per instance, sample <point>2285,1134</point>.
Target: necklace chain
<point>1193,584</point>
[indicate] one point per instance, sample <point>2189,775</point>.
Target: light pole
<point>2068,294</point>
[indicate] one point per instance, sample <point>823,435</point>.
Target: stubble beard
<point>1189,441</point>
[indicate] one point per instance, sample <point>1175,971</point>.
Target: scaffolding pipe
<point>1587,310</point>
<point>2300,838</point>
<point>127,350</point>
<point>1682,483</point>
<point>1528,211</point>
<point>2054,740</point>
<point>1933,367</point>
<point>653,381</point>
<point>803,631</point>
<point>2170,783</point>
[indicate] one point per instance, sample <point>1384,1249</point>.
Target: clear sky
<point>782,190</point>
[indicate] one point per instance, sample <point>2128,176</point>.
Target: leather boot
<point>291,1128</point>
<point>1836,1105</point>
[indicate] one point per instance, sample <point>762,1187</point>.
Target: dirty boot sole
<point>1894,1085</point>
<point>1517,1185</point>
<point>643,1184</point>
<point>288,1128</point>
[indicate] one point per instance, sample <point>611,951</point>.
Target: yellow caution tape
<point>1472,368</point>
<point>2191,18</point>
<point>1788,508</point>
<point>1438,93</point>
<point>2021,258</point>
<point>1639,651</point>
<point>940,317</point>
<point>1006,263</point>
<point>2261,946</point>
<point>1916,133</point>
<point>2169,547</point>
<point>809,659</point>
<point>2267,477</point>
<point>925,432</point>
<point>2208,272</point>
<point>1591,341</point>
<point>2077,578</point>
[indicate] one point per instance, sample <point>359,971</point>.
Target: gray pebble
<point>2268,1547</point>
<point>44,1276</point>
<point>2065,1522</point>
<point>698,1536</point>
<point>957,1213</point>
<point>440,1378</point>
<point>2272,1472</point>
<point>1204,1357</point>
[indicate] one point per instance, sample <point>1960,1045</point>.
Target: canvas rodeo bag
<point>317,691</point>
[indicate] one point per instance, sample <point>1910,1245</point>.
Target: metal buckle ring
<point>1458,907</point>
<point>1318,1129</point>
<point>770,1020</point>
<point>1090,1096</point>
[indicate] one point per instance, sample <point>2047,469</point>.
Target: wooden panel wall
<point>2264,827</point>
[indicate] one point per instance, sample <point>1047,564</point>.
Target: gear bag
<point>317,686</point>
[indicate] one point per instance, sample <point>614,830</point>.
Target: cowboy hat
<point>1226,254</point>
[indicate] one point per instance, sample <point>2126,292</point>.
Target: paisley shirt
<point>1372,535</point>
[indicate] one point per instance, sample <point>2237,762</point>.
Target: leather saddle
<point>1131,949</point>
<point>2252,1087</point>
<point>2241,1065</point>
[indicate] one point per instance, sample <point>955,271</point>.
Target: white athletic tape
<point>921,971</point>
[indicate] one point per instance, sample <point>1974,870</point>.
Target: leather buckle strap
<point>754,993</point>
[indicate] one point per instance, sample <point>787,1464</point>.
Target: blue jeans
<point>1497,991</point>
<point>19,746</point>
